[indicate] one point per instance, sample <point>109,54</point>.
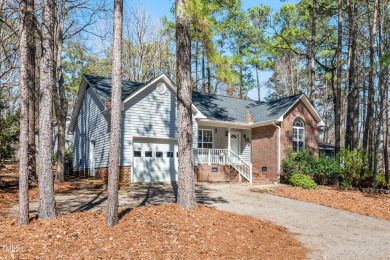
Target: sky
<point>159,8</point>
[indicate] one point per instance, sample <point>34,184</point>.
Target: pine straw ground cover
<point>152,232</point>
<point>9,192</point>
<point>374,205</point>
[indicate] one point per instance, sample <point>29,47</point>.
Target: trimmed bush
<point>303,181</point>
<point>322,170</point>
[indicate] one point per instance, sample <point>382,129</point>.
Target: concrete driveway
<point>329,233</point>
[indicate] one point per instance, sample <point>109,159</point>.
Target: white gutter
<point>278,127</point>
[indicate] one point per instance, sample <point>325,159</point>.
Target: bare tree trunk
<point>47,81</point>
<point>186,185</point>
<point>23,218</point>
<point>258,83</point>
<point>32,96</point>
<point>312,94</point>
<point>203,89</point>
<point>116,100</point>
<point>337,89</point>
<point>353,93</point>
<point>196,64</point>
<point>368,126</point>
<point>383,86</point>
<point>208,77</point>
<point>60,102</point>
<point>241,82</point>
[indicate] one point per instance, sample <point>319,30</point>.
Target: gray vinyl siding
<point>195,140</point>
<point>246,146</point>
<point>148,114</point>
<point>91,125</point>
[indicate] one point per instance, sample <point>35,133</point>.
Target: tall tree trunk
<point>31,96</point>
<point>383,86</point>
<point>368,126</point>
<point>241,82</point>
<point>60,102</point>
<point>337,89</point>
<point>312,52</point>
<point>116,100</point>
<point>186,185</point>
<point>258,83</point>
<point>353,93</point>
<point>208,77</point>
<point>203,90</point>
<point>47,81</point>
<point>196,64</point>
<point>25,30</point>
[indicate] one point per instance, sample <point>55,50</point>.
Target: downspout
<point>278,127</point>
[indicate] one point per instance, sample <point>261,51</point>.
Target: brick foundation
<point>223,173</point>
<point>125,174</point>
<point>102,173</point>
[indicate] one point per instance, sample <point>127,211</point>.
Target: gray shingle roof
<point>234,110</point>
<point>102,87</point>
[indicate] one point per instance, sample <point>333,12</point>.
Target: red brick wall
<point>311,129</point>
<point>265,151</point>
<point>225,173</point>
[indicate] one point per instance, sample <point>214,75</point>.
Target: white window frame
<point>201,139</point>
<point>295,137</point>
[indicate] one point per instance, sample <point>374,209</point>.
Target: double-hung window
<point>298,137</point>
<point>205,138</point>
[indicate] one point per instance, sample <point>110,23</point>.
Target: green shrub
<point>68,154</point>
<point>325,170</point>
<point>298,162</point>
<point>351,164</point>
<point>381,181</point>
<point>303,181</point>
<point>322,170</point>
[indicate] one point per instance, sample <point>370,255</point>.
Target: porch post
<point>229,147</point>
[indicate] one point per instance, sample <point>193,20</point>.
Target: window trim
<point>297,140</point>
<point>202,142</point>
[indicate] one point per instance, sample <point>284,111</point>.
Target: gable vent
<point>161,88</point>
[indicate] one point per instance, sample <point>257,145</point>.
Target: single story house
<point>233,139</point>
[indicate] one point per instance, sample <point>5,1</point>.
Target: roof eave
<point>211,122</point>
<point>77,107</point>
<point>309,106</point>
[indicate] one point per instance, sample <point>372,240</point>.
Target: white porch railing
<point>225,157</point>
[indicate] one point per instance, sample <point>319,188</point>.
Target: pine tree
<point>116,100</point>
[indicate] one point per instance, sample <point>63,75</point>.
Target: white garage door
<point>154,160</point>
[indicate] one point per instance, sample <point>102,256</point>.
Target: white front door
<point>92,158</point>
<point>235,143</point>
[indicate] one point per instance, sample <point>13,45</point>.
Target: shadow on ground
<point>130,196</point>
<point>162,193</point>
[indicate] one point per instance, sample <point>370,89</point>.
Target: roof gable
<point>103,86</point>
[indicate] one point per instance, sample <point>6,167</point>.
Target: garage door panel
<point>162,166</point>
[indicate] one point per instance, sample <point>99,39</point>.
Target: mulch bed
<point>153,232</point>
<point>374,205</point>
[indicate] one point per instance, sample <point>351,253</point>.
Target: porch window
<point>205,138</point>
<point>298,134</point>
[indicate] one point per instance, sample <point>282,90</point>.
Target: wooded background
<point>336,52</point>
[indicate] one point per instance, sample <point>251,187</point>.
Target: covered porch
<point>218,145</point>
